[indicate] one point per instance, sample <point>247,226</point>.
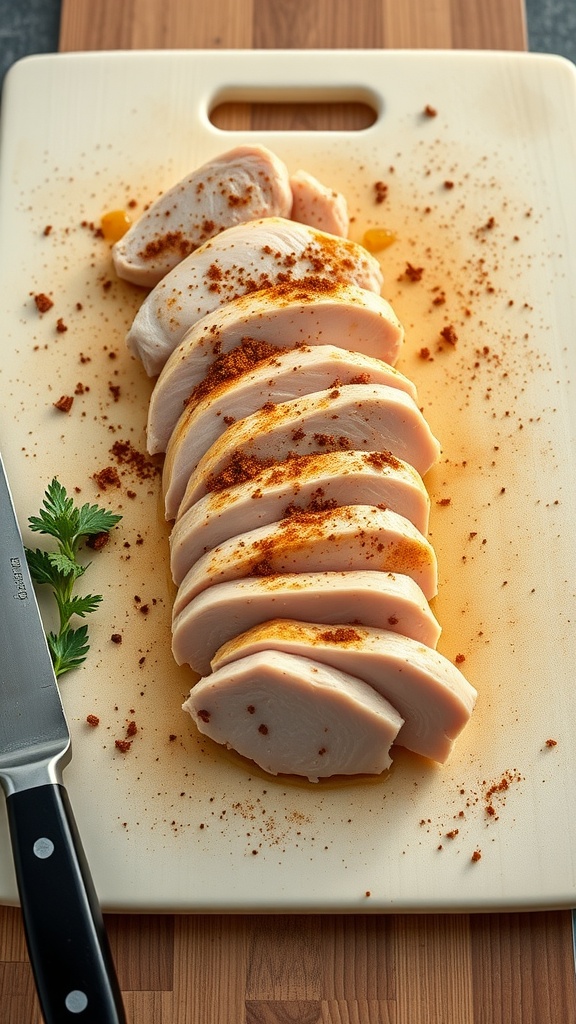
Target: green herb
<point>60,569</point>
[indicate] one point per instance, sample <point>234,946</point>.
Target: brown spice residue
<point>498,791</point>
<point>328,258</point>
<point>381,460</point>
<point>232,364</point>
<point>97,541</point>
<point>43,302</point>
<point>171,242</point>
<point>64,403</point>
<point>126,455</point>
<point>238,470</point>
<point>107,477</point>
<point>412,273</point>
<point>449,334</point>
<point>317,503</point>
<point>340,635</point>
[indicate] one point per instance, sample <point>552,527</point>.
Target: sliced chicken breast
<point>354,417</point>
<point>349,538</point>
<point>315,204</point>
<point>431,694</point>
<point>226,610</point>
<point>246,183</point>
<point>292,715</point>
<point>344,315</point>
<point>305,483</point>
<point>282,378</point>
<point>260,254</point>
<point>243,379</point>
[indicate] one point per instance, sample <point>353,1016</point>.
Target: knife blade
<point>67,942</point>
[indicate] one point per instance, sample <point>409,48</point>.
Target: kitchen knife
<point>67,943</point>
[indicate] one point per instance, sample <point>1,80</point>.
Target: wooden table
<point>486,969</point>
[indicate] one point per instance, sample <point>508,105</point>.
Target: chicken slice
<point>305,483</point>
<point>349,538</point>
<point>315,204</point>
<point>264,253</point>
<point>291,715</point>
<point>246,183</point>
<point>283,378</point>
<point>354,417</point>
<point>431,694</point>
<point>226,610</point>
<point>271,372</point>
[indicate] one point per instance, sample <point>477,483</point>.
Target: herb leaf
<point>68,648</point>
<point>60,569</point>
<point>82,605</point>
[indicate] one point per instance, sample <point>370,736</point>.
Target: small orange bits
<point>376,239</point>
<point>115,224</point>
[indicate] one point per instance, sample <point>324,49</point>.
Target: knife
<point>67,943</point>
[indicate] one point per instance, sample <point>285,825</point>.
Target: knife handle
<point>67,942</point>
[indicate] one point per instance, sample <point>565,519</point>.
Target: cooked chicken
<point>226,610</point>
<point>289,375</point>
<point>349,538</point>
<point>280,371</point>
<point>305,483</point>
<point>318,206</point>
<point>259,254</point>
<point>431,694</point>
<point>290,714</point>
<point>354,417</point>
<point>243,184</point>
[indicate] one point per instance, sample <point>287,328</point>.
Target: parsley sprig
<point>70,525</point>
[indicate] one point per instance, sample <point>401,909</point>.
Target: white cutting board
<point>176,824</point>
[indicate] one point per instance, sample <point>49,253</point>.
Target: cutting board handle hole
<point>294,110</point>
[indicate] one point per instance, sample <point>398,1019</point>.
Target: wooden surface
<point>486,969</point>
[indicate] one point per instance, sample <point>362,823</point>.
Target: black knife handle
<point>67,942</point>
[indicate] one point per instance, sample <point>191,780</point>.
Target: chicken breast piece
<point>315,204</point>
<point>305,483</point>
<point>289,375</point>
<point>349,538</point>
<point>226,610</point>
<point>431,694</point>
<point>292,715</point>
<point>354,417</point>
<point>264,371</point>
<point>259,254</point>
<point>346,316</point>
<point>246,183</point>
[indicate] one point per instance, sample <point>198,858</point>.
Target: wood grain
<point>134,24</point>
<point>462,969</point>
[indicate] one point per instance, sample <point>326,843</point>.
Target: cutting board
<point>479,199</point>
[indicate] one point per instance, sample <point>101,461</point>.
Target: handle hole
<point>295,110</point>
